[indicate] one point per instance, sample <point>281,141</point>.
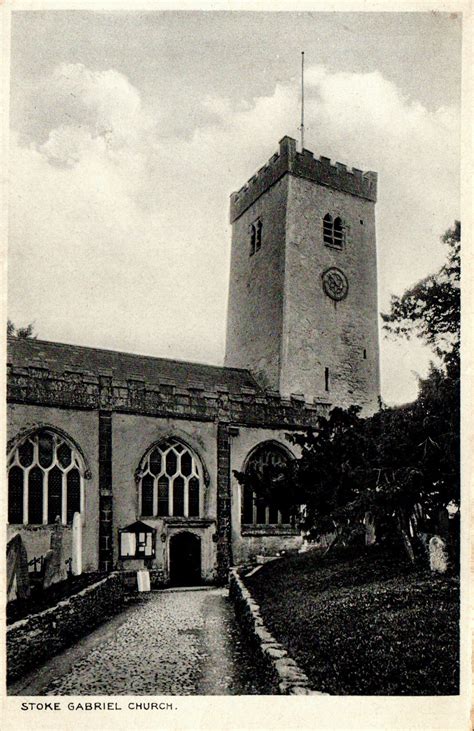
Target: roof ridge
<point>13,338</point>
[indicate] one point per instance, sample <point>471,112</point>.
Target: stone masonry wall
<point>281,324</point>
<point>320,332</point>
<point>305,165</point>
<point>255,308</point>
<point>33,640</point>
<point>250,407</point>
<point>113,422</point>
<point>133,436</point>
<point>282,671</point>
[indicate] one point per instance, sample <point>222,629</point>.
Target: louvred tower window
<point>256,231</point>
<point>333,231</point>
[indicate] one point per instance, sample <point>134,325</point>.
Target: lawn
<point>366,625</point>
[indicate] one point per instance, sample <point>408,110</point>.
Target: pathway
<point>175,642</point>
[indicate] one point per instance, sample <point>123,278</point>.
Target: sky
<point>129,131</point>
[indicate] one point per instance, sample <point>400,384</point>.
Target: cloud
<point>119,235</point>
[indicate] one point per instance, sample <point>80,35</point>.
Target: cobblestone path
<point>168,643</point>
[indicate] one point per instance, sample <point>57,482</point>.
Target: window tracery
<point>170,482</point>
<point>45,480</point>
<point>263,463</point>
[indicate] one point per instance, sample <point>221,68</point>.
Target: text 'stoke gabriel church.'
<point>145,448</point>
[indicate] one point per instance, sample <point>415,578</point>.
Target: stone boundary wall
<point>35,639</point>
<point>80,390</point>
<point>288,678</point>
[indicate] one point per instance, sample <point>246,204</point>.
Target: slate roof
<point>59,357</point>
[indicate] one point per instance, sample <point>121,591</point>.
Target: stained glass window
<point>147,495</point>
<point>178,496</point>
<point>193,497</point>
<point>55,494</point>
<point>256,509</point>
<point>26,453</point>
<point>73,494</point>
<point>15,495</point>
<point>44,480</point>
<point>163,496</point>
<point>35,496</point>
<point>172,473</point>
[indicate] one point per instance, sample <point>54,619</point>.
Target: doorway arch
<point>185,559</point>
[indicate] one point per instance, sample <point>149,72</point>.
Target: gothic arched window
<point>333,231</point>
<point>170,482</point>
<point>45,476</point>
<point>263,463</point>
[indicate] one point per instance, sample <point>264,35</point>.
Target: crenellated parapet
<point>73,389</point>
<point>37,384</point>
<point>304,165</point>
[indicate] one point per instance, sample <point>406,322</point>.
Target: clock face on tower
<point>335,284</point>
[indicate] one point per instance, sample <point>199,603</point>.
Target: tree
<point>329,475</point>
<point>431,309</point>
<point>21,332</point>
<point>401,464</point>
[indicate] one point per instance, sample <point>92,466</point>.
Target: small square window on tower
<point>256,229</point>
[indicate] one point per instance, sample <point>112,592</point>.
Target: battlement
<point>304,165</point>
<point>76,389</point>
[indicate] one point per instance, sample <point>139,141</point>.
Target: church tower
<point>302,311</point>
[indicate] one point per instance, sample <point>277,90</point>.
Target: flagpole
<point>302,100</point>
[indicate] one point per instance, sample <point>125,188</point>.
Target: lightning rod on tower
<point>302,100</point>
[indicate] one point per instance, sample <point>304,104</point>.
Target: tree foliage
<point>21,332</point>
<point>402,464</point>
<point>431,309</point>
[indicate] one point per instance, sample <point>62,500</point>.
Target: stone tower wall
<point>255,311</point>
<point>319,332</point>
<point>281,324</point>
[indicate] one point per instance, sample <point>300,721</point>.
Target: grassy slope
<point>370,625</point>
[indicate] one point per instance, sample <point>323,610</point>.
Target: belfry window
<point>170,482</point>
<point>333,231</point>
<point>265,467</point>
<point>327,229</point>
<point>256,229</point>
<point>45,476</point>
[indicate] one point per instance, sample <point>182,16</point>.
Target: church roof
<point>60,357</point>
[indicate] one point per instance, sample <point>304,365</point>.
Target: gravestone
<point>369,523</point>
<point>18,581</point>
<point>76,566</point>
<point>438,555</point>
<point>54,567</point>
<point>303,548</point>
